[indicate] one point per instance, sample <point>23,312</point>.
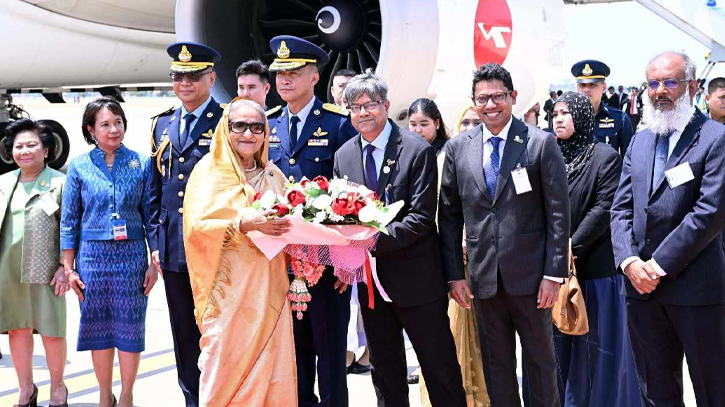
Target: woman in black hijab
<point>596,369</point>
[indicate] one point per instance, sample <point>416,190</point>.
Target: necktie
<point>293,131</point>
<point>492,168</point>
<point>632,106</point>
<point>661,150</point>
<point>371,172</point>
<point>188,120</point>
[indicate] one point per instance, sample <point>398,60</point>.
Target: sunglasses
<point>241,127</point>
<point>193,77</point>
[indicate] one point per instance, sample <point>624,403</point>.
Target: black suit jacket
<point>548,108</point>
<point>613,101</point>
<point>524,237</point>
<point>679,227</point>
<point>591,194</point>
<point>408,257</point>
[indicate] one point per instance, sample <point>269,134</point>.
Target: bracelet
<point>69,272</point>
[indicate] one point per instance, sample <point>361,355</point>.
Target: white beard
<point>668,121</point>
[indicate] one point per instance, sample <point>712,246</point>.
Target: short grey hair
<point>239,103</point>
<point>690,68</point>
<point>366,84</point>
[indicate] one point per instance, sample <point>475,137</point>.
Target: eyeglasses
<point>669,83</point>
<point>369,107</point>
<point>241,127</point>
<point>193,77</point>
<point>497,98</point>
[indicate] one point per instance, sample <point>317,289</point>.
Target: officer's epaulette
<point>272,111</point>
<point>334,109</point>
<point>164,113</point>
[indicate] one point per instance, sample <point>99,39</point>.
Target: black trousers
<point>662,335</point>
<point>185,333</point>
<point>429,330</point>
<point>321,345</point>
<point>498,320</point>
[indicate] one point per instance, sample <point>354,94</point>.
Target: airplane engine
<point>422,48</point>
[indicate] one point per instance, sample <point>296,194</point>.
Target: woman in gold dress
<point>247,345</point>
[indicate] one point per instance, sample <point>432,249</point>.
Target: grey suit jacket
<point>522,237</point>
<point>680,227</point>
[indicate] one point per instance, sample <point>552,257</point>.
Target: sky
<point>624,36</point>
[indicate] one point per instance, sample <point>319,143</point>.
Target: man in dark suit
<point>549,107</point>
<point>623,97</point>
<point>506,182</point>
<point>613,99</point>
<point>409,287</point>
<point>667,218</point>
<point>304,136</point>
<point>180,138</point>
<point>633,107</point>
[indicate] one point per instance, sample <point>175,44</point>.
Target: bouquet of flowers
<point>334,223</point>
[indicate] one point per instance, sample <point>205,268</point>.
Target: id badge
<point>49,206</point>
<point>119,229</point>
<point>521,181</point>
<point>679,175</point>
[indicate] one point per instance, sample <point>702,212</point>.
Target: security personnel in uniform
<point>611,125</point>
<point>304,136</point>
<point>180,138</point>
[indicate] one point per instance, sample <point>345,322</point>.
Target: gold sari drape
<point>247,344</point>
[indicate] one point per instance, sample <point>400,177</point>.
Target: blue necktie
<point>293,131</point>
<point>371,172</point>
<point>492,168</point>
<point>188,120</point>
<point>661,150</point>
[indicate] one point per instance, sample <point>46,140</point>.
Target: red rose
<point>304,182</point>
<point>359,204</point>
<point>295,198</point>
<point>281,209</point>
<point>373,196</point>
<point>343,206</point>
<point>321,182</point>
<point>257,196</point>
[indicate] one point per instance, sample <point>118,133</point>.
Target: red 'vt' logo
<point>493,32</point>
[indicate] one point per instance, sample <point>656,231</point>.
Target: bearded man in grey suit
<point>506,182</point>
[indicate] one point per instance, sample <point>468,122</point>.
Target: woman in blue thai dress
<point>103,237</point>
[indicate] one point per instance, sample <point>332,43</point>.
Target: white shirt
<point>674,138</point>
<point>380,143</point>
<point>197,113</point>
<point>488,148</point>
<point>302,114</point>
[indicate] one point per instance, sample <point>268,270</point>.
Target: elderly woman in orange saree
<point>247,345</point>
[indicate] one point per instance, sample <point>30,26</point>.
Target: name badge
<point>606,125</point>
<point>49,206</point>
<point>204,142</point>
<point>119,229</point>
<point>521,181</point>
<point>317,142</point>
<point>274,145</point>
<point>679,175</point>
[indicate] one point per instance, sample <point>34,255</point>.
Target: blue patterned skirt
<point>113,314</point>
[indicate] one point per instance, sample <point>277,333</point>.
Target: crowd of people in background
<point>626,185</point>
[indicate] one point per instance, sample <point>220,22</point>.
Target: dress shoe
<point>357,368</point>
<point>33,402</point>
<point>65,404</point>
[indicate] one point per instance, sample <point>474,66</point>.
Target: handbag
<point>570,312</point>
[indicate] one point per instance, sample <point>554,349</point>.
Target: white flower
<point>297,211</point>
<point>368,214</point>
<point>335,217</point>
<point>319,217</point>
<point>267,200</point>
<point>322,202</point>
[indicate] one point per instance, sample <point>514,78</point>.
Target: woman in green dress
<point>32,281</point>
